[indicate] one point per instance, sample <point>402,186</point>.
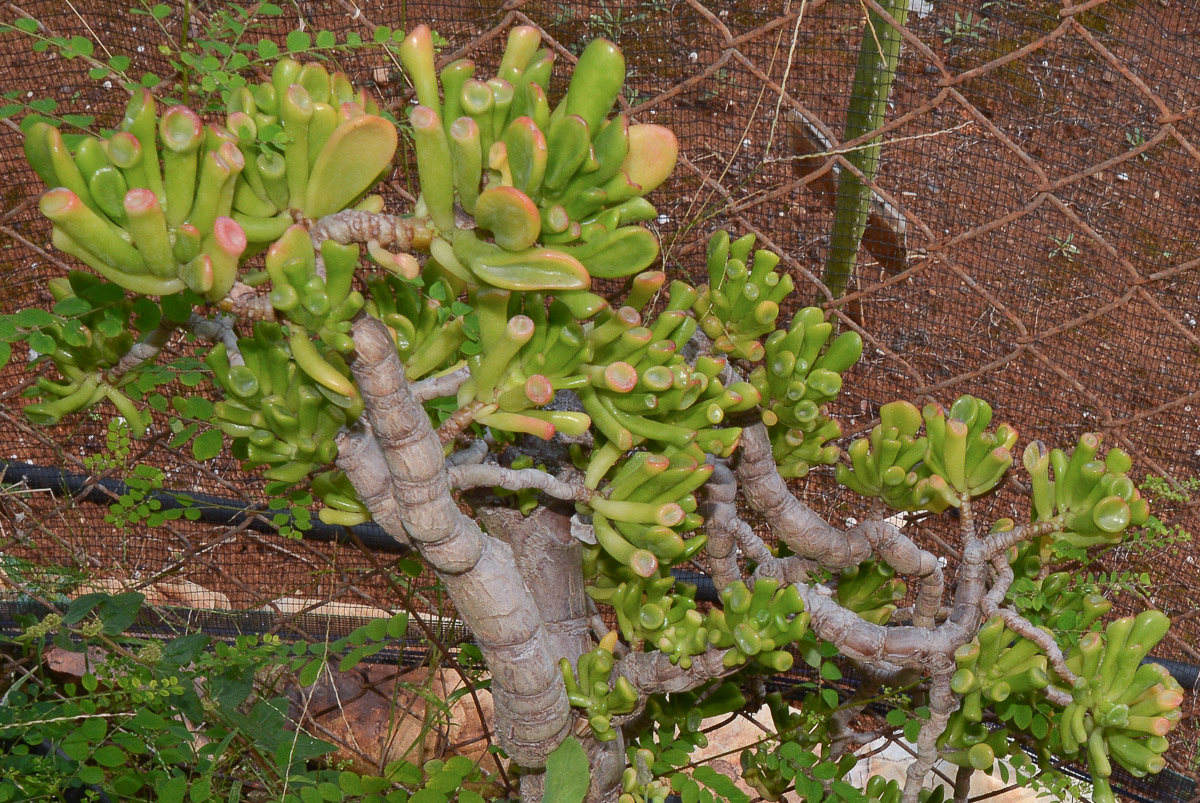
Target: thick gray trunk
<point>396,463</point>
<point>550,560</point>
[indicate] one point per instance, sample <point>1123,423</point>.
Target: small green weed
<point>1064,247</point>
<point>969,28</point>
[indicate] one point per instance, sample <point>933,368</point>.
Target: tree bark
<point>550,560</point>
<point>394,459</point>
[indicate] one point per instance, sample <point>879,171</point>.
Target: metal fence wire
<point>1034,241</point>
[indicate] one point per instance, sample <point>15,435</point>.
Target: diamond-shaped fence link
<point>1034,240</point>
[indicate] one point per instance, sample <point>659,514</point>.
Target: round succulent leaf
<point>596,82</point>
<point>653,153</point>
<point>902,415</point>
<point>1111,514</point>
<point>1117,461</point>
<point>616,254</point>
<point>353,157</point>
<point>510,215</point>
<point>528,271</point>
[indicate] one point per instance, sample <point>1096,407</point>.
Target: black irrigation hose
<point>213,509</point>
<point>230,512</point>
<point>1188,675</point>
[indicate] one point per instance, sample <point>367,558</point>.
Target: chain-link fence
<point>1033,241</point>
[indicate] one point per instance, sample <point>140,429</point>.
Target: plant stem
<point>877,57</point>
<point>185,30</point>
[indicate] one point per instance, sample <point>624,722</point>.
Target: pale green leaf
<point>567,773</point>
<point>208,444</point>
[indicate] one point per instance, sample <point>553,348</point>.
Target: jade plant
<point>502,380</point>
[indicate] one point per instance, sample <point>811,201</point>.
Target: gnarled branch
<point>356,226</point>
<point>143,351</point>
<point>435,387</point>
<point>653,672</point>
<point>479,572</point>
<point>794,522</point>
<point>907,558</point>
<point>486,475</point>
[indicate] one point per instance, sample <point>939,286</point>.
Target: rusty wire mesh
<point>1039,178</point>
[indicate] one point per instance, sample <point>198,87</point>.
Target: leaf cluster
<point>186,718</point>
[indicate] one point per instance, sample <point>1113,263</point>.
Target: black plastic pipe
<point>231,513</point>
<point>1188,675</point>
<point>213,509</point>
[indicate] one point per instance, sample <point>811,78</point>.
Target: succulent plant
<point>755,623</point>
<point>871,590</point>
<point>278,414</point>
<point>956,456</point>
<point>995,665</point>
<point>1093,498</point>
<point>802,372</point>
<point>373,345</point>
<point>87,347</point>
<point>588,687</point>
<point>740,303</point>
<point>1121,708</point>
<point>554,197</point>
<point>166,203</point>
